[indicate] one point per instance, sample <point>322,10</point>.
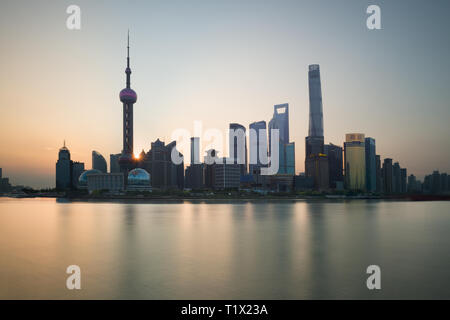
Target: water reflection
<point>223,250</point>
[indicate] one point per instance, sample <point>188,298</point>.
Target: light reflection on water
<point>224,250</point>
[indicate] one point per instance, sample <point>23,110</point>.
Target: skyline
<point>78,102</point>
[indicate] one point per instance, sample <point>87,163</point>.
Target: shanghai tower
<point>128,97</point>
<point>315,140</point>
<point>316,162</point>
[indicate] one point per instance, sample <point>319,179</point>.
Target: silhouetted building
<point>335,163</point>
<point>210,161</point>
<point>414,186</point>
<point>195,176</point>
<point>316,167</point>
<point>388,176</point>
<point>114,163</point>
<point>355,162</point>
<point>444,183</point>
<point>436,182</point>
<point>238,146</point>
<point>258,147</point>
<point>77,170</point>
<point>396,178</point>
<point>227,176</point>
<point>83,179</point>
<point>64,169</point>
<point>379,178</point>
<point>371,167</point>
<point>165,174</point>
<point>5,186</point>
<point>314,142</point>
<point>403,184</point>
<point>99,162</point>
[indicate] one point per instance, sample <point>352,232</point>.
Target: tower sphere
<point>128,95</point>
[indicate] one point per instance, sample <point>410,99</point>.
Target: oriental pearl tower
<point>128,97</point>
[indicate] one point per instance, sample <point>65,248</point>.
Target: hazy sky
<point>220,62</point>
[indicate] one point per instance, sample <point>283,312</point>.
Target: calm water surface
<point>224,250</point>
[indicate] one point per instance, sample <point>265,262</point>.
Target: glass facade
<point>371,168</point>
<point>355,162</point>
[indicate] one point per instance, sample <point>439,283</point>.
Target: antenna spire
<point>128,70</point>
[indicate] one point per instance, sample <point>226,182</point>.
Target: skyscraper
<point>258,147</point>
<point>98,162</point>
<point>238,146</point>
<point>286,150</point>
<point>396,179</point>
<point>64,169</point>
<point>335,163</point>
<point>165,174</point>
<point>388,175</point>
<point>371,166</point>
<point>280,121</point>
<point>77,170</point>
<point>379,178</point>
<point>315,139</point>
<point>355,162</point>
<point>195,150</point>
<point>128,97</point>
<point>403,184</point>
<point>114,163</point>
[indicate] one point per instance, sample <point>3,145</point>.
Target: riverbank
<point>225,197</point>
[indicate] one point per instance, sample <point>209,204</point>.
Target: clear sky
<point>220,61</point>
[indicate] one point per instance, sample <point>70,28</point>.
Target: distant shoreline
<point>147,198</point>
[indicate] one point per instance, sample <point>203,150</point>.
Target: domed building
<point>139,180</point>
<point>82,180</point>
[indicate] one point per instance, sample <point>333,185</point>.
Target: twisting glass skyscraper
<point>128,97</point>
<point>315,140</point>
<point>316,162</point>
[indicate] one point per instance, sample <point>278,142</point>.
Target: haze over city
<point>220,62</point>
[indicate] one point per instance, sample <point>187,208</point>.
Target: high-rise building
<point>210,161</point>
<point>315,140</point>
<point>258,147</point>
<point>286,149</point>
<point>195,150</point>
<point>355,161</point>
<point>280,121</point>
<point>77,170</point>
<point>315,155</point>
<point>403,184</point>
<point>64,169</point>
<point>289,163</point>
<point>317,168</point>
<point>128,97</point>
<point>388,176</point>
<point>379,179</point>
<point>238,146</point>
<point>99,162</point>
<point>165,174</point>
<point>371,167</point>
<point>396,179</point>
<point>5,186</point>
<point>335,163</point>
<point>444,182</point>
<point>436,182</point>
<point>114,163</point>
<point>226,175</point>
